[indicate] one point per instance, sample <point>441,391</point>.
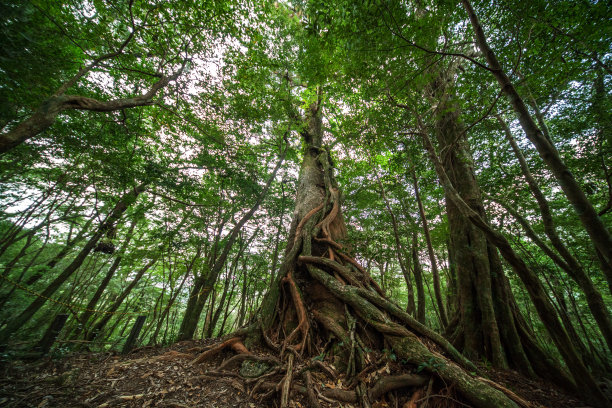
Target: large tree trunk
<point>478,334</point>
<point>545,309</point>
<point>323,298</point>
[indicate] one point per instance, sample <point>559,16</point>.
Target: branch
<point>46,114</point>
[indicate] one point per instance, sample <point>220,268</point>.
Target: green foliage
<point>432,364</point>
<point>251,72</point>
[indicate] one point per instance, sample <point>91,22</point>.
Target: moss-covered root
<point>407,345</point>
<point>480,394</point>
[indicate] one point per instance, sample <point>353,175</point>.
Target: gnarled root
<point>349,314</point>
<point>408,346</point>
<point>303,325</point>
<point>235,343</point>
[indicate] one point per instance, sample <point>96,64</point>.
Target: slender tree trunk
<point>91,305</point>
<point>591,221</point>
<point>70,244</point>
<point>399,252</point>
<point>277,239</point>
<point>576,272</point>
<point>243,293</point>
<point>217,313</point>
<point>227,312</point>
<point>14,324</point>
<point>418,279</point>
<point>208,282</point>
<point>113,308</point>
<point>166,310</point>
<point>430,252</point>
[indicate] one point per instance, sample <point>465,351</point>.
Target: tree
<point>148,169</point>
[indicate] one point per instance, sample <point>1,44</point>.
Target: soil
<point>164,377</point>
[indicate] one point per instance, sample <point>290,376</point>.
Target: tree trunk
<point>70,244</point>
<point>545,310</point>
<point>399,252</point>
<point>91,305</point>
<point>418,280</point>
<point>221,306</point>
<point>320,282</point>
<point>478,326</point>
<point>574,269</point>
<point>93,333</point>
<point>167,308</point>
<point>206,283</point>
<point>430,252</point>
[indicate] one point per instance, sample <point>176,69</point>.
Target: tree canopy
<point>329,179</point>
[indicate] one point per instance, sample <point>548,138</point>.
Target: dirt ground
<point>164,377</point>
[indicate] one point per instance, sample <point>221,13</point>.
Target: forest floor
<point>164,377</point>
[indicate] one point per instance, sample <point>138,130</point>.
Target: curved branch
<point>47,113</point>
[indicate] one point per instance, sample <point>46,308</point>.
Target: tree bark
<point>478,329</point>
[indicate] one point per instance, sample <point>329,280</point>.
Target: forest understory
<point>165,377</point>
<point>306,203</point>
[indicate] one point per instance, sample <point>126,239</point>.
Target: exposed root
<point>267,339</point>
<point>354,315</point>
<point>310,390</point>
<point>325,223</point>
<point>521,401</point>
<point>368,279</point>
<point>238,359</point>
<point>386,384</point>
<point>381,387</point>
<point>235,343</point>
<point>343,271</point>
<point>412,403</point>
<point>298,230</point>
<point>329,242</point>
<point>303,325</point>
<point>287,382</point>
<point>407,345</point>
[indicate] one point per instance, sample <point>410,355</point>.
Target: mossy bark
<point>478,325</point>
